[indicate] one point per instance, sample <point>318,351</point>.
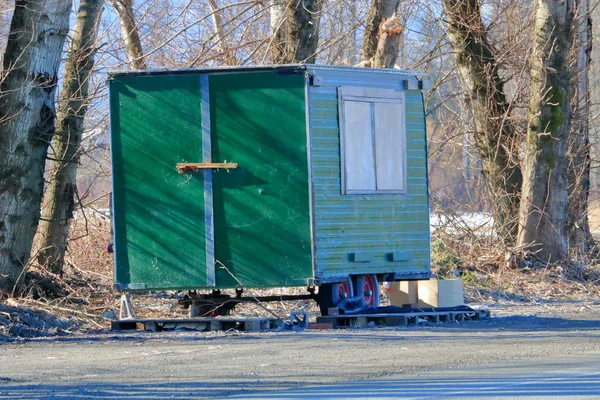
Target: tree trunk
<point>228,55</point>
<point>129,31</point>
<point>59,198</point>
<point>352,50</point>
<point>495,137</point>
<point>277,25</point>
<point>297,37</point>
<point>382,35</point>
<point>389,41</point>
<point>594,86</point>
<point>27,88</point>
<point>6,13</point>
<point>578,229</point>
<point>543,211</point>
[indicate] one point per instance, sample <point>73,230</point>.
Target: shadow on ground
<point>553,385</point>
<point>504,325</point>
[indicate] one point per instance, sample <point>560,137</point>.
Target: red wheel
<point>367,287</point>
<point>330,294</point>
<point>344,290</point>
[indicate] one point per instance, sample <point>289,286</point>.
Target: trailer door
<point>160,218</point>
<point>261,209</point>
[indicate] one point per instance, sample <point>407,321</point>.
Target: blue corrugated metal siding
<point>372,225</point>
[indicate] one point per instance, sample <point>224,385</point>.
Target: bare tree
<point>228,55</point>
<point>130,34</point>
<point>59,198</point>
<point>578,228</point>
<point>6,13</point>
<point>277,29</point>
<point>543,208</point>
<point>295,34</point>
<point>27,88</point>
<point>382,35</point>
<point>495,136</point>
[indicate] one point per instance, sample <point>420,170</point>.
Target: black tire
<point>330,294</point>
<point>367,282</point>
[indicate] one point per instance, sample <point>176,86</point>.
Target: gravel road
<point>216,365</point>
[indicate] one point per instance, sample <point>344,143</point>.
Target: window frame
<point>371,96</point>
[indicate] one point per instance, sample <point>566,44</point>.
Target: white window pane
<point>389,143</point>
<point>359,160</point>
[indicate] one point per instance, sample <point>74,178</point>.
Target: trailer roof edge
<point>257,68</point>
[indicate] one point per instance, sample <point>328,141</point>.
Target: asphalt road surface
<point>542,353</point>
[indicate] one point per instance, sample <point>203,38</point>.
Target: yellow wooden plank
<point>195,167</point>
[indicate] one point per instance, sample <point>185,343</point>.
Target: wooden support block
<point>361,321</point>
<point>404,293</point>
<point>440,293</point>
<point>334,321</point>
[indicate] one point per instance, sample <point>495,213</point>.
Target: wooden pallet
<point>197,324</point>
<point>403,319</point>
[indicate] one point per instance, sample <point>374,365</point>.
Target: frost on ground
<point>21,321</point>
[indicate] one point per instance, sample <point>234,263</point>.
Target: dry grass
<point>91,302</point>
<point>86,288</point>
<point>488,276</point>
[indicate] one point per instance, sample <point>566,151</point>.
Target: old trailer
<point>274,176</point>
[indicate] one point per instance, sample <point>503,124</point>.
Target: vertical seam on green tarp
<point>426,173</point>
<point>208,187</point>
<point>311,191</point>
<point>112,187</point>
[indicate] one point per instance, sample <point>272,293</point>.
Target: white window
<point>373,140</point>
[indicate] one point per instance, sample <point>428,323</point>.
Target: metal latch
<point>316,80</point>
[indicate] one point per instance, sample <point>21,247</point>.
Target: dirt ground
<point>60,347</point>
<point>221,364</point>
